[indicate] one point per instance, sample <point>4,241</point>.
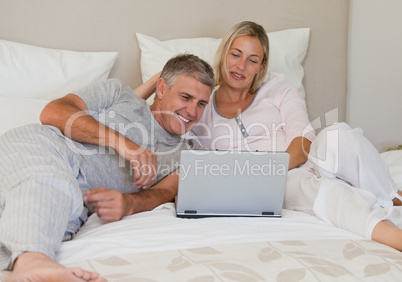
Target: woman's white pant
<point>344,182</point>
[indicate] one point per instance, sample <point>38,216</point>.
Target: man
<point>101,145</point>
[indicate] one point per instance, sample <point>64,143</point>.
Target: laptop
<point>231,183</point>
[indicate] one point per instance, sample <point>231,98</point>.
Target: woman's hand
<point>146,89</point>
<point>298,149</point>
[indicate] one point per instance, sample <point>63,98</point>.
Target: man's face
<point>181,106</point>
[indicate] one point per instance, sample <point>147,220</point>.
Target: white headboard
<point>104,25</point>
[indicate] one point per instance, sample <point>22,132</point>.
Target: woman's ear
<point>160,88</point>
<point>262,65</point>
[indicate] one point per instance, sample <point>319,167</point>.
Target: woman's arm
<point>298,150</point>
<point>146,89</point>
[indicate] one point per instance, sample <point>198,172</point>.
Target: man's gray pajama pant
<point>40,195</point>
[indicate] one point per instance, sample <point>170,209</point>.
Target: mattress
<point>158,246</point>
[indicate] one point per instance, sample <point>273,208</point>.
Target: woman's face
<point>244,61</point>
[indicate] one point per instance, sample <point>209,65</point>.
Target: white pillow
<point>15,112</point>
<point>287,51</point>
<point>394,161</point>
<point>34,72</point>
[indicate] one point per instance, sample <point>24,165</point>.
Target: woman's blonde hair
<point>246,28</point>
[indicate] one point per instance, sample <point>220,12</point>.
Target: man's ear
<point>161,88</point>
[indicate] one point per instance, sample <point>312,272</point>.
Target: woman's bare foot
<point>32,266</point>
<point>396,201</point>
<point>388,233</point>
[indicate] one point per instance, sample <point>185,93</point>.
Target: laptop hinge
<point>190,212</point>
<point>267,213</point>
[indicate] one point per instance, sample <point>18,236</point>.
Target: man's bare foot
<point>32,266</point>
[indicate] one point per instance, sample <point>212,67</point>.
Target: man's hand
<point>113,205</point>
<point>110,205</point>
<point>142,161</point>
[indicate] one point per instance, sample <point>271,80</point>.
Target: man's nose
<point>192,109</point>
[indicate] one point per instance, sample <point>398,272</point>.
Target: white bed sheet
<point>161,230</point>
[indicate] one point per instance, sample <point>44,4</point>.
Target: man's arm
<point>298,150</point>
<point>111,205</point>
<point>70,115</point>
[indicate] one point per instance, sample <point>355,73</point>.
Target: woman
<point>246,113</point>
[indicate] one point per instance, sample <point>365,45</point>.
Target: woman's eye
<point>235,55</point>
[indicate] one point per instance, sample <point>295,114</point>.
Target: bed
<point>51,47</point>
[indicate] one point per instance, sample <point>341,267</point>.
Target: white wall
<point>375,70</point>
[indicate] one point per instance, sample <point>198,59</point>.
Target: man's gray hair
<point>190,65</point>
